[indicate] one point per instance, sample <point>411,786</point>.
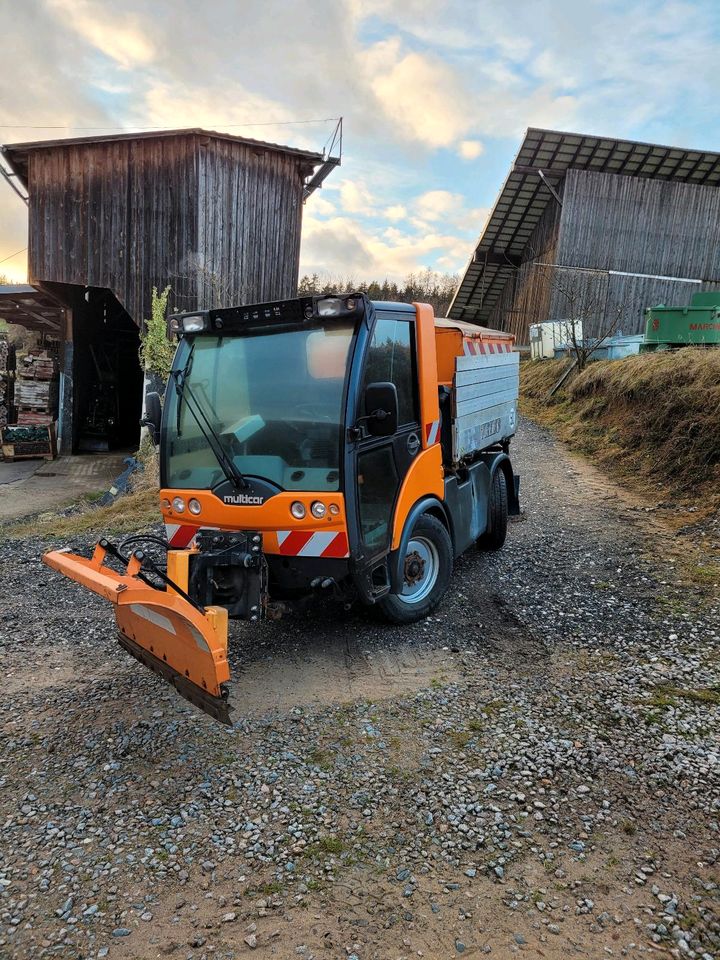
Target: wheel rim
<point>422,566</point>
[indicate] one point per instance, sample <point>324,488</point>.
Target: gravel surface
<point>532,771</point>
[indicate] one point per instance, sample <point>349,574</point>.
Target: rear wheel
<point>494,536</point>
<point>427,568</point>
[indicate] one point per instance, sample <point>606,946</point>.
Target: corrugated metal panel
<point>485,393</point>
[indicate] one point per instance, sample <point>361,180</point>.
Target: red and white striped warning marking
<point>179,535</point>
<point>308,543</point>
<point>473,348</point>
<point>432,432</point>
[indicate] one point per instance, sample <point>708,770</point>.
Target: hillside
<point>652,420</point>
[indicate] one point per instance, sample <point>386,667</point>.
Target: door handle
<point>413,444</point>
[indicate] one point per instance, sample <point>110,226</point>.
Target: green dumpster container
<point>696,325</point>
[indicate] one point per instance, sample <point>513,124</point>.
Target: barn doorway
<point>108,379</point>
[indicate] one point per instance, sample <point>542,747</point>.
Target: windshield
<point>275,401</point>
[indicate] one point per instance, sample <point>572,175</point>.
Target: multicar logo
<point>243,500</point>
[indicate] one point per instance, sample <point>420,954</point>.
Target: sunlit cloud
<point>115,33</point>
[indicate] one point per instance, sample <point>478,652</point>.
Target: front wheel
<point>427,568</point>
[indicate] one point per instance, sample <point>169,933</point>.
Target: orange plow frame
<point>184,644</point>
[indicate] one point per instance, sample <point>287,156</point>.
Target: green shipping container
<point>698,324</point>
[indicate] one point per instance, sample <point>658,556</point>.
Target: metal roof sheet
<point>16,153</point>
<point>525,194</point>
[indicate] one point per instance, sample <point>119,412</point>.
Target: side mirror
<point>381,409</point>
<point>153,416</point>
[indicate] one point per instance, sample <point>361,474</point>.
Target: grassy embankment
<point>652,421</point>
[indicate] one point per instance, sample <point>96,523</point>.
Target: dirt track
<point>533,771</point>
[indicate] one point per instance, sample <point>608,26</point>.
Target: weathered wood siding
<point>249,226</point>
<point>526,298</point>
<point>218,221</point>
<point>640,225</point>
<point>611,225</point>
<point>634,225</point>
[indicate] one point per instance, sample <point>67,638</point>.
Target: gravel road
<point>534,771</point>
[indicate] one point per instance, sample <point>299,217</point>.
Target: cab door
<point>382,462</point>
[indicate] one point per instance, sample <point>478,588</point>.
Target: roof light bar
<point>298,311</point>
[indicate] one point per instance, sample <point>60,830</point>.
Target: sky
<point>435,94</point>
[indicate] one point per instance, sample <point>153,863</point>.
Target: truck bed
<point>485,392</point>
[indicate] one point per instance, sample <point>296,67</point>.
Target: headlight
<point>194,506</point>
<point>165,503</point>
<point>318,509</point>
<point>194,323</point>
<point>329,307</point>
<point>334,509</point>
<point>297,509</point>
<point>178,504</point>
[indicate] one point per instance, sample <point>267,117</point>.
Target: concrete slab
<point>35,486</point>
<point>19,470</point>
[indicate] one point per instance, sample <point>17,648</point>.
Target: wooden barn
<point>594,229</point>
<point>215,217</point>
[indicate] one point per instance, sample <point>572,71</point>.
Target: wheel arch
<point>428,504</point>
<point>501,461</point>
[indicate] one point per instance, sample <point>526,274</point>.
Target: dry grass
<point>653,419</point>
<point>133,511</point>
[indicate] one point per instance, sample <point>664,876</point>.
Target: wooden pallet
<point>10,457</point>
<point>42,449</point>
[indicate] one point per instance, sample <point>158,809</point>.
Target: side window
<point>391,357</point>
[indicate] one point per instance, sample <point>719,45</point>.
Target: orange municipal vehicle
<point>320,446</point>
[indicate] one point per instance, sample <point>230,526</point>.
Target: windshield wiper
<point>184,392</point>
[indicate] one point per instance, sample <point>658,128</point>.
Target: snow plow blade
<point>165,630</point>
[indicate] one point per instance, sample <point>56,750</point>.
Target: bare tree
<point>582,295</point>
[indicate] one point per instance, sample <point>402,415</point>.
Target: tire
<point>430,549</point>
<point>494,536</point>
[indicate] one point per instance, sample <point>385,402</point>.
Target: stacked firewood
<point>36,389</point>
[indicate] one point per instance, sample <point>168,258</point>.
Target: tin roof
<point>17,153</point>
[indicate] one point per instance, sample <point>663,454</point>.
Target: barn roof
<point>541,162</point>
<point>17,153</point>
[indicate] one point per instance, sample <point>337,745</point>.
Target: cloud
<point>396,212</point>
<point>420,94</point>
<point>356,197</point>
<point>345,246</point>
<point>317,204</point>
<point>230,107</point>
<point>436,204</point>
<point>452,209</point>
<point>116,34</point>
<point>470,149</point>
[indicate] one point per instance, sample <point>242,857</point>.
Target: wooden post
<point>66,406</point>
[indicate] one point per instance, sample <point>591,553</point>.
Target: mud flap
<point>184,644</point>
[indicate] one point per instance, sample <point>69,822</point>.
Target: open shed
<point>615,225</point>
<point>215,217</point>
